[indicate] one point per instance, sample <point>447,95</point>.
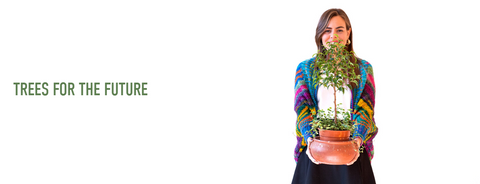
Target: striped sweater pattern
<point>363,103</point>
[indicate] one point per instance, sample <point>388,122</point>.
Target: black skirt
<point>359,172</point>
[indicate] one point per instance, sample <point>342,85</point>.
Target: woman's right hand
<point>309,141</point>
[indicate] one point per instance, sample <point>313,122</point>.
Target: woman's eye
<point>327,31</point>
<point>340,30</point>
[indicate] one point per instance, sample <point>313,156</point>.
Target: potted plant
<point>333,69</point>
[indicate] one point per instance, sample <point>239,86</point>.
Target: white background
<point>221,86</point>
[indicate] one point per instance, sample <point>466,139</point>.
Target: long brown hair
<point>322,25</point>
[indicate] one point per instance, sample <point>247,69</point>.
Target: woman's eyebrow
<point>336,28</point>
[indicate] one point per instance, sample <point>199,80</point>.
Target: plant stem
<point>335,92</point>
<point>335,104</point>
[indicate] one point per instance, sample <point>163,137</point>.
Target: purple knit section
<point>298,148</point>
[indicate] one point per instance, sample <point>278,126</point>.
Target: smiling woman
<point>334,26</point>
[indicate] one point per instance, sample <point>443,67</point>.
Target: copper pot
<point>333,148</point>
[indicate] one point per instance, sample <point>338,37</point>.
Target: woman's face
<point>336,26</point>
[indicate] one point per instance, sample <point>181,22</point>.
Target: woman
<point>335,25</point>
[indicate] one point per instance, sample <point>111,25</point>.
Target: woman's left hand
<point>359,141</point>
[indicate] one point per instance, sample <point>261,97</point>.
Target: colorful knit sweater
<point>363,103</point>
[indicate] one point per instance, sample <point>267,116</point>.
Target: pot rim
<point>333,130</point>
<point>317,139</point>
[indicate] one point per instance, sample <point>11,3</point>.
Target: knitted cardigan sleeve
<point>365,126</point>
<point>304,106</point>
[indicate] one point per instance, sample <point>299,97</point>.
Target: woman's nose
<point>333,35</point>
